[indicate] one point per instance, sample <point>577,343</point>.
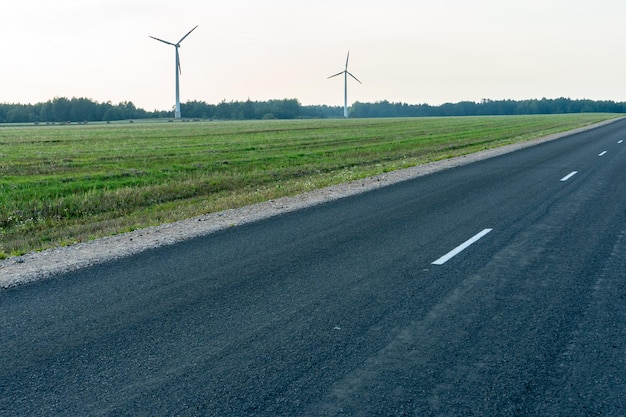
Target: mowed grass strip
<point>65,184</point>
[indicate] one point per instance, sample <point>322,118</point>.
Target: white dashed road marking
<point>445,258</point>
<point>568,176</point>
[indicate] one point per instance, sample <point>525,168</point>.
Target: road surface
<point>497,288</point>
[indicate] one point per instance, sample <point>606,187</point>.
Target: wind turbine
<point>345,97</point>
<point>178,70</point>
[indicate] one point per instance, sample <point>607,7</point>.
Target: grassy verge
<point>64,184</point>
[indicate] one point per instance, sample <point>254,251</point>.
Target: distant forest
<point>62,110</point>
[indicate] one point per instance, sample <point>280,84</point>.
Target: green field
<point>65,184</point>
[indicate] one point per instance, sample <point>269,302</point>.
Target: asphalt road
<point>359,307</point>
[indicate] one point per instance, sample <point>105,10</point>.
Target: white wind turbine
<point>345,96</point>
<point>178,71</point>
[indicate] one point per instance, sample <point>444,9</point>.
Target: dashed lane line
<point>445,258</point>
<point>568,176</point>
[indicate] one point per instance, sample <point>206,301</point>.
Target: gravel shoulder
<point>39,265</point>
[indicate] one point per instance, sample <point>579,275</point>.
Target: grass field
<point>65,184</point>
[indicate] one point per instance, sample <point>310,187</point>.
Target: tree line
<point>60,110</point>
<point>486,108</point>
<point>63,110</point>
<point>257,110</point>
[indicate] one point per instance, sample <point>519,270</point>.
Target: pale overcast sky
<point>414,51</point>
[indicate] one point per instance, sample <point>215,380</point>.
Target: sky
<point>412,51</point>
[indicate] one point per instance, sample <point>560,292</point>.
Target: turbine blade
<point>180,71</point>
<point>339,73</point>
<point>354,77</point>
<point>347,59</point>
<point>161,40</point>
<point>183,38</point>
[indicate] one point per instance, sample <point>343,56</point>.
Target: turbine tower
<point>178,70</point>
<point>345,96</point>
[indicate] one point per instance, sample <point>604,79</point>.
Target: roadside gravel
<point>39,265</point>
